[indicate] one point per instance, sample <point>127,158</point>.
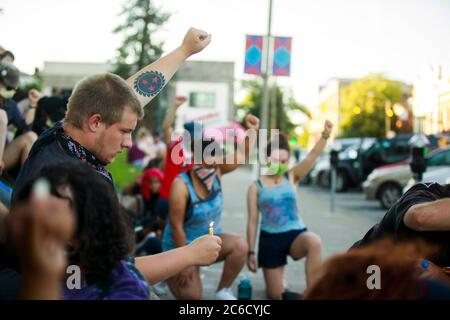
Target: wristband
<point>325,135</point>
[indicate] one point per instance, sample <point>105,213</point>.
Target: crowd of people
<point>64,210</point>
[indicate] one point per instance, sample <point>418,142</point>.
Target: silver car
<point>439,175</point>
<point>386,183</point>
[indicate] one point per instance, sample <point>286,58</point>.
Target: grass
<point>123,173</point>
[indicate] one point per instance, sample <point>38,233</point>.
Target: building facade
<point>208,85</point>
<point>431,101</point>
<point>329,104</point>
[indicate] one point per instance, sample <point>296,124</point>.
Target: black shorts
<point>274,248</point>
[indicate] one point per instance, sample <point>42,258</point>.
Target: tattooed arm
<point>150,80</point>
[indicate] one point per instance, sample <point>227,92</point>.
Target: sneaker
<point>290,295</point>
<point>225,294</point>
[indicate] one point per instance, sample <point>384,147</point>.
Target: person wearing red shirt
<point>175,161</point>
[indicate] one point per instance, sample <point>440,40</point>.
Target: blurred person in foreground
<point>422,213</point>
<point>101,244</point>
<point>384,270</point>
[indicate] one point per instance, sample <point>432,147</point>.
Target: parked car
<point>386,183</point>
<point>439,175</point>
<point>320,172</point>
<point>348,155</point>
<point>357,162</point>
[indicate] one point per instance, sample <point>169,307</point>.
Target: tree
<point>280,105</point>
<point>365,104</point>
<point>138,49</point>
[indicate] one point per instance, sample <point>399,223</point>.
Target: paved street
<point>353,217</point>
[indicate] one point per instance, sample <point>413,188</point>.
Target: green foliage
<point>280,104</point>
<point>34,83</point>
<point>363,105</point>
<point>138,49</point>
<point>123,173</point>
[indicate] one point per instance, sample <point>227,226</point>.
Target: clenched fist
<point>195,41</point>
<point>328,126</point>
<point>252,122</point>
<point>179,100</point>
<point>33,97</point>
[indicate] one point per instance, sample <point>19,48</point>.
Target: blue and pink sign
<point>253,54</point>
<point>281,56</point>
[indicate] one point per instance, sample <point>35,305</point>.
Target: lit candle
<point>211,228</point>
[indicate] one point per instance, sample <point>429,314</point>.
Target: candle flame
<point>211,224</point>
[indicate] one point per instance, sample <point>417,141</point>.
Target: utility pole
<point>265,97</point>
<point>265,93</point>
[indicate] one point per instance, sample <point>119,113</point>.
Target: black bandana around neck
<point>71,147</point>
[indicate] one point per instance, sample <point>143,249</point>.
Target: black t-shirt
<point>49,155</point>
<point>392,223</point>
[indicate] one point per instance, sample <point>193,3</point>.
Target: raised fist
<point>328,126</point>
<point>252,122</point>
<point>195,41</point>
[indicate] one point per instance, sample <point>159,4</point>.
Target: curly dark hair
<point>102,235</point>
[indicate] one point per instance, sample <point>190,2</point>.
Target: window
<point>439,159</point>
<point>202,99</point>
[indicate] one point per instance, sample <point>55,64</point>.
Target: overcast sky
<point>331,38</point>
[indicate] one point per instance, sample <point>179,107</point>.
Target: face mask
<point>7,94</point>
<point>278,169</point>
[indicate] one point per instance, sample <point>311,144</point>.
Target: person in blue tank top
<point>195,201</point>
<point>283,231</point>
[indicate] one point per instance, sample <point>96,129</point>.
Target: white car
<point>439,175</point>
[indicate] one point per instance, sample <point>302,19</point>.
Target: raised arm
<point>41,229</point>
<point>33,96</point>
<point>301,169</point>
<point>252,225</point>
<point>169,119</point>
<point>150,80</point>
<point>429,216</point>
<point>243,153</point>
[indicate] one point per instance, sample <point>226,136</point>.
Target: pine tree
<point>138,49</point>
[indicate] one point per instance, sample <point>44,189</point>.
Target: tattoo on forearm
<point>149,83</point>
